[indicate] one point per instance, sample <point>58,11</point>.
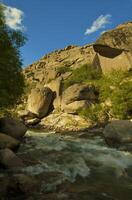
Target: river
<point>76,167</point>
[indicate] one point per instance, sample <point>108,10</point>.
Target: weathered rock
<point>66,122</point>
<point>107,62</point>
<point>114,49</point>
<point>17,186</point>
<point>4,182</point>
<point>12,127</point>
<point>45,69</point>
<point>22,184</point>
<point>119,38</point>
<point>79,92</point>
<point>118,132</point>
<point>33,121</point>
<point>8,142</point>
<point>74,107</point>
<point>25,114</point>
<point>40,101</point>
<point>56,87</point>
<point>9,160</point>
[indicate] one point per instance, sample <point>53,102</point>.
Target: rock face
<point>12,127</point>
<point>47,68</point>
<point>118,132</point>
<point>119,38</point>
<point>40,101</point>
<point>114,49</point>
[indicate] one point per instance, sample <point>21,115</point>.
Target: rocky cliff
<point>112,51</point>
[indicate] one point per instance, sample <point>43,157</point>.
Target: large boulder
<point>79,92</point>
<point>118,132</point>
<point>12,127</point>
<point>74,107</point>
<point>40,101</point>
<point>56,87</point>
<point>8,142</point>
<point>109,59</point>
<point>9,160</point>
<point>114,49</point>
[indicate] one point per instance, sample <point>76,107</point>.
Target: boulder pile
<point>11,135</point>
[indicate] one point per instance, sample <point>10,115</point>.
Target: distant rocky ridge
<point>113,50</point>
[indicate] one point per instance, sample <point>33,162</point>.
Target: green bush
<point>95,113</point>
<point>63,69</point>
<point>115,87</point>
<point>82,74</point>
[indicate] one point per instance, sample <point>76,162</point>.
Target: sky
<point>55,24</point>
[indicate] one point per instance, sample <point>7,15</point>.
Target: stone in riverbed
<point>118,132</point>
<point>18,186</point>
<point>23,184</point>
<point>12,127</point>
<point>8,142</point>
<point>9,160</point>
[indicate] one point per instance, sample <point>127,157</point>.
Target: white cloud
<point>99,23</point>
<point>13,17</point>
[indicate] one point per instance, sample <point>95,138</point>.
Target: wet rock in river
<point>8,142</point>
<point>12,127</point>
<point>118,133</point>
<point>9,160</point>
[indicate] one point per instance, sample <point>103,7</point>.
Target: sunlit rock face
<point>114,49</point>
<point>119,38</point>
<point>46,69</point>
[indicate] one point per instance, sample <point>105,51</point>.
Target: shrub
<point>95,113</point>
<point>117,87</point>
<point>63,69</point>
<point>82,74</point>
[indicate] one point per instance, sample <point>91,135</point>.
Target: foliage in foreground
<point>11,79</point>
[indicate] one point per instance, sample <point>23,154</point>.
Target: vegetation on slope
<point>115,97</point>
<point>82,74</point>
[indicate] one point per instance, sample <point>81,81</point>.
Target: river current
<point>75,167</point>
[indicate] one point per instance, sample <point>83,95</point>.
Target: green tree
<point>11,78</point>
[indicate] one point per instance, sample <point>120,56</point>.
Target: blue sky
<point>54,24</point>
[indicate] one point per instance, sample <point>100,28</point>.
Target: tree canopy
<point>11,78</point>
